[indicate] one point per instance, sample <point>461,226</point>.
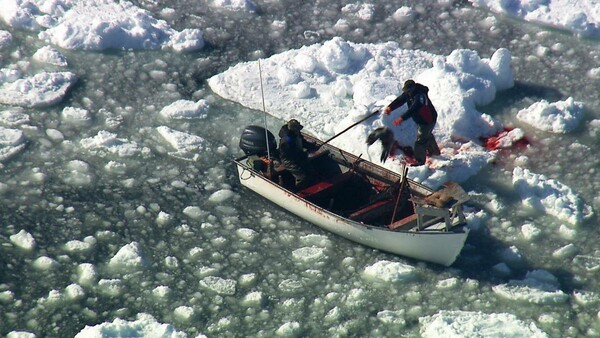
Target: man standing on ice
<point>422,111</point>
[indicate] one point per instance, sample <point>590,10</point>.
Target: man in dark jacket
<point>292,151</point>
<point>422,111</point>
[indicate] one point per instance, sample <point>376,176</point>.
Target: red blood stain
<point>493,142</point>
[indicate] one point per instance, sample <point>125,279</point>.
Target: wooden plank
<point>323,187</point>
<point>369,208</point>
<point>315,189</point>
<point>403,222</point>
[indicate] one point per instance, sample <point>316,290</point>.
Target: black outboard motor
<point>253,141</point>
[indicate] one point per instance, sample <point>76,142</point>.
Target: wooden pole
<point>350,127</point>
<point>405,173</point>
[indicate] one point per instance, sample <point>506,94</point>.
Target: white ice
<point>107,142</point>
<point>387,271</point>
<point>332,85</point>
<point>538,287</point>
<point>97,25</point>
<point>218,285</point>
<point>42,89</point>
<point>12,141</point>
<point>5,39</point>
<point>556,117</point>
<point>23,240</point>
<point>20,334</point>
<point>86,274</point>
<point>50,56</point>
<point>144,326</point>
<point>128,258</point>
<point>235,5</point>
<point>187,146</point>
<point>550,196</point>
<point>185,109</point>
<point>581,16</point>
<point>456,324</point>
<point>328,87</point>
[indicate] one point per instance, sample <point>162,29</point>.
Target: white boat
<point>364,202</point>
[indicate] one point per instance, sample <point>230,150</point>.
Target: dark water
<point>328,297</point>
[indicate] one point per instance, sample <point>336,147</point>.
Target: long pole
<point>350,127</point>
<point>262,94</point>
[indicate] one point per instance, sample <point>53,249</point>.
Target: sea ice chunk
<point>23,240</point>
<point>550,196</point>
<point>185,109</point>
<point>43,89</point>
<point>388,271</point>
<point>477,324</point>
<point>144,326</point>
<point>538,287</point>
<point>557,117</point>
<point>219,285</point>
<point>128,257</point>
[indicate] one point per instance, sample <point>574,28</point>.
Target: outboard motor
<point>253,141</point>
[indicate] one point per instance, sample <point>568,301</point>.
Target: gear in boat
<point>358,190</point>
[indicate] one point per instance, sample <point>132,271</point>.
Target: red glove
<point>387,110</point>
<point>398,121</point>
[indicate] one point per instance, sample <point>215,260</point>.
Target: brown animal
<point>441,197</point>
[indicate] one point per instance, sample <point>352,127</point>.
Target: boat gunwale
<point>457,229</point>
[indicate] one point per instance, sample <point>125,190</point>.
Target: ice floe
<point>556,117</point>
<point>221,286</point>
<point>538,287</point>
<point>98,25</point>
<point>329,86</point>
<point>42,89</point>
<point>23,240</point>
<point>550,196</point>
<point>185,109</point>
<point>187,146</point>
<point>477,324</point>
<point>387,271</point>
<point>581,17</point>
<point>107,142</point>
<point>129,257</point>
<point>143,326</point>
<point>50,56</point>
<point>12,141</point>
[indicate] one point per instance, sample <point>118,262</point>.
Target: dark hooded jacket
<point>420,108</point>
<point>292,144</point>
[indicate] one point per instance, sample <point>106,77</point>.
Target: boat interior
<point>356,189</point>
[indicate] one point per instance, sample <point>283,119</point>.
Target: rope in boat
<point>244,169</point>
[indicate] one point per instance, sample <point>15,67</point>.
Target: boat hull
<point>441,247</point>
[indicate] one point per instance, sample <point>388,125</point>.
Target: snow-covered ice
<point>185,109</point>
<point>143,326</point>
<point>23,240</point>
<point>386,271</point>
<point>477,324</point>
<point>128,258</point>
<point>550,196</point>
<point>42,89</point>
<point>50,56</point>
<point>538,287</point>
<point>98,25</point>
<point>581,17</point>
<point>555,117</point>
<point>334,84</point>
